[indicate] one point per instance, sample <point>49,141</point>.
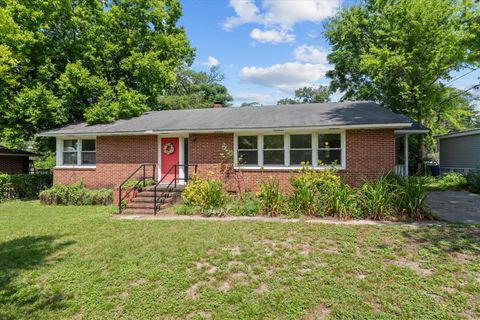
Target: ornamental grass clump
<point>377,198</point>
<point>409,196</point>
<point>270,197</point>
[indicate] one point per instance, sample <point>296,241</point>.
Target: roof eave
<point>230,130</point>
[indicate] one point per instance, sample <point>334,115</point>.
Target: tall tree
<point>63,61</point>
<point>401,53</point>
<point>195,90</point>
<point>314,94</point>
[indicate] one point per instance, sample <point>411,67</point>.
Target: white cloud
<point>247,12</point>
<point>251,96</point>
<point>286,77</point>
<point>272,36</point>
<point>211,62</point>
<point>310,54</point>
<point>280,13</point>
<point>287,13</point>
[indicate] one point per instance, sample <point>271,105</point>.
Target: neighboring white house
<point>459,152</point>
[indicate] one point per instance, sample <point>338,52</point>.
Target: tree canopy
<point>401,53</point>
<point>67,61</point>
<point>314,94</point>
<point>195,89</point>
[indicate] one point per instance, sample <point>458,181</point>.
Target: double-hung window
<point>273,150</point>
<point>70,152</point>
<point>248,150</point>
<point>330,149</point>
<point>300,149</point>
<point>78,152</point>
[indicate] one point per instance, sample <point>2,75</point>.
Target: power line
<point>474,87</point>
<point>466,74</point>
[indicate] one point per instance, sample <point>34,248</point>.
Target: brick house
<point>14,161</point>
<point>359,138</point>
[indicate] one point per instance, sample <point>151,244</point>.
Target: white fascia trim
<point>411,131</point>
<point>233,130</point>
<point>459,134</point>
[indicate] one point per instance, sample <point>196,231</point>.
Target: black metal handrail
<point>174,181</point>
<point>142,180</point>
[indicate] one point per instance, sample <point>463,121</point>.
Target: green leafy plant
<point>409,196</point>
<point>23,186</point>
<point>245,205</point>
<point>473,181</point>
<point>206,194</point>
<point>76,194</point>
<point>376,198</point>
<point>270,198</point>
<point>131,183</point>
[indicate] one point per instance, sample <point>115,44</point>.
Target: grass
<point>60,262</point>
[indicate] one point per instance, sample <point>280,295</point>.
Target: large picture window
<point>248,150</point>
<point>290,150</point>
<point>273,150</point>
<point>330,149</point>
<point>79,152</point>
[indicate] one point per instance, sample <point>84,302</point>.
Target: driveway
<point>455,206</point>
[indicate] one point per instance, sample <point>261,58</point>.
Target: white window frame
<point>263,150</point>
<point>59,155</point>
<point>287,166</point>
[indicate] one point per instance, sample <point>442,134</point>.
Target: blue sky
<point>266,48</point>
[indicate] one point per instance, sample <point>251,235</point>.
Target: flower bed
<point>316,193</point>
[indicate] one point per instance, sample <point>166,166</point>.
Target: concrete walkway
<point>174,217</point>
<point>455,206</point>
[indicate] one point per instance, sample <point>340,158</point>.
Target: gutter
<point>230,130</point>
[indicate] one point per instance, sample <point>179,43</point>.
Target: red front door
<point>170,157</point>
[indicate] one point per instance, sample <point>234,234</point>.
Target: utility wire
<point>466,74</point>
<point>474,87</point>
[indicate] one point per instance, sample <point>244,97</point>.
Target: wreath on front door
<point>168,148</point>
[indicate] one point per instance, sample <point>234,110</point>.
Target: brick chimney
<point>217,104</point>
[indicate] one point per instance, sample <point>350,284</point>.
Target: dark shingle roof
<point>335,114</point>
<point>16,152</point>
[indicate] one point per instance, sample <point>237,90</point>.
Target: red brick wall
<point>117,158</point>
<point>13,164</point>
<point>369,154</point>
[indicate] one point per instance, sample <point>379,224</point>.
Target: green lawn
<point>77,262</point>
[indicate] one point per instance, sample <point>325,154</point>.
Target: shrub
<point>5,187</point>
<point>207,194</point>
<point>447,181</point>
<point>76,194</point>
<point>342,201</point>
<point>409,196</point>
<point>304,199</point>
<point>473,182</point>
<point>376,198</point>
<point>133,182</point>
<point>23,185</point>
<point>246,205</point>
<point>270,198</point>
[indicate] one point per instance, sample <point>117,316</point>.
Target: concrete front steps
<point>143,203</point>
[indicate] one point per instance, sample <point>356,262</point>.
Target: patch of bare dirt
<point>414,266</point>
<point>192,291</point>
<point>202,314</point>
<point>262,288</point>
<point>319,312</point>
<point>124,295</point>
<point>138,282</point>
<point>235,251</point>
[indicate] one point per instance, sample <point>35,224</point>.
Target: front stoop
<point>143,203</point>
